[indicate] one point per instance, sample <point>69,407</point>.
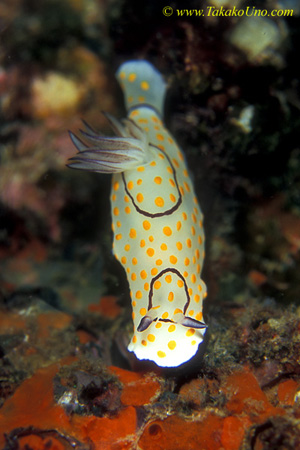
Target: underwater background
<point>66,377</point>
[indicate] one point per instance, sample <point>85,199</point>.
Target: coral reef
<point>67,380</point>
<point>244,396</point>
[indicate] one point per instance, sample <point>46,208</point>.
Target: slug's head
<point>170,330</point>
<point>169,342</point>
<point>178,318</point>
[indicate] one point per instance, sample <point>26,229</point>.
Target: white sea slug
<point>157,221</point>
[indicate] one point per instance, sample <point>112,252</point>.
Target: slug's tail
<point>142,84</point>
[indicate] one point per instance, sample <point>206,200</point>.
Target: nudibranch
<point>156,220</point>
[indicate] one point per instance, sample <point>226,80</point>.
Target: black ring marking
<point>165,320</point>
<point>160,274</point>
<point>143,105</point>
<point>159,214</point>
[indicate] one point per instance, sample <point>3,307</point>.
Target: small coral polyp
<point>156,220</point>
